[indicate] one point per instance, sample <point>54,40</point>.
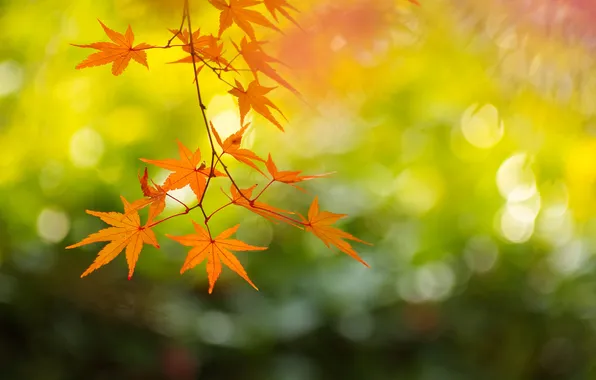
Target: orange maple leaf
<point>126,232</point>
<point>278,5</point>
<point>186,171</point>
<point>236,12</point>
<point>155,196</point>
<point>268,212</point>
<point>199,41</point>
<point>258,61</point>
<point>319,223</point>
<point>290,177</point>
<point>119,53</point>
<point>216,251</point>
<point>206,48</point>
<point>231,146</point>
<point>254,97</point>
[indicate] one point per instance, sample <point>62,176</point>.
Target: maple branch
<point>184,13</point>
<point>203,113</point>
<point>194,65</point>
<point>206,220</point>
<point>203,108</point>
<point>217,71</point>
<point>211,172</point>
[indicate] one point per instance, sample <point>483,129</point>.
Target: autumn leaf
<point>119,53</point>
<point>214,53</point>
<point>155,196</point>
<point>216,251</point>
<point>254,97</point>
<point>126,232</point>
<point>268,212</point>
<point>289,177</point>
<point>186,171</point>
<point>206,48</point>
<point>278,5</point>
<point>258,61</point>
<point>236,12</point>
<point>319,223</point>
<point>199,41</point>
<point>231,146</point>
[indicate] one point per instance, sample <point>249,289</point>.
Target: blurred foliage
<point>463,135</point>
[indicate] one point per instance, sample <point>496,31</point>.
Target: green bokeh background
<point>463,137</point>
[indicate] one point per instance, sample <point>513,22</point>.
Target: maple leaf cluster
<point>208,51</point>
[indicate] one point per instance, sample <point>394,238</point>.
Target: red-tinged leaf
<point>215,251</point>
<point>290,177</point>
<point>118,53</point>
<point>236,12</point>
<point>126,232</point>
<point>155,196</point>
<point>186,171</point>
<point>258,61</point>
<point>278,5</point>
<point>271,213</point>
<point>254,97</point>
<point>231,146</point>
<point>319,223</point>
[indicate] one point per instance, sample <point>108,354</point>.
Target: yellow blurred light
<point>525,210</point>
<point>555,224</point>
<point>11,77</point>
<point>418,190</point>
<point>553,228</point>
<point>569,258</point>
<point>184,194</point>
<point>126,124</point>
<point>555,197</point>
<point>515,178</point>
<point>86,148</point>
<point>581,177</point>
<point>52,225</point>
<point>517,225</point>
<point>482,127</point>
<point>226,118</point>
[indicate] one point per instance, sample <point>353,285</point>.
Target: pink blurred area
<point>573,21</point>
<point>333,29</point>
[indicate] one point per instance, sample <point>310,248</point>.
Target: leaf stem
<point>262,191</point>
<point>219,209</point>
<point>177,200</point>
<point>186,211</point>
<point>184,13</point>
<point>157,47</point>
